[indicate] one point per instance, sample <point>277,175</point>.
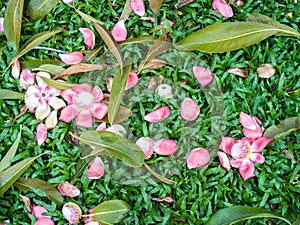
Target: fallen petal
<point>1,25</point>
<point>27,203</point>
<point>165,147</point>
<point>254,134</point>
<point>102,126</point>
<point>158,115</point>
<point>119,31</point>
<point>38,211</point>
<point>41,134</point>
<point>247,121</point>
<point>96,168</point>
<point>89,37</point>
<point>265,71</point>
<point>165,199</point>
<point>67,189</point>
<point>164,91</point>
<point>71,212</point>
<point>15,69</point>
<point>246,169</point>
<point>189,109</point>
<point>149,18</point>
<point>132,80</point>
<point>51,120</point>
<point>203,75</point>
<point>69,1</point>
<point>26,79</point>
<point>71,58</point>
<point>138,7</point>
<point>221,7</point>
<point>93,223</point>
<point>147,145</point>
<point>226,144</point>
<point>238,72</point>
<point>44,221</point>
<point>197,158</point>
<point>224,160</point>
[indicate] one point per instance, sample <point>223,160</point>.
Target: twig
<point>50,49</point>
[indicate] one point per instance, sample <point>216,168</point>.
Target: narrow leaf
<point>154,64</point>
<point>239,213</point>
<point>34,41</point>
<point>35,63</point>
<point>110,212</point>
<point>117,92</point>
<point>91,54</point>
<point>155,5</point>
<point>50,68</point>
<point>110,42</point>
<point>144,39</point>
<point>39,8</point>
<point>126,11</point>
<point>122,114</point>
<point>5,162</point>
<point>225,37</point>
<point>115,146</point>
<point>8,94</point>
<point>284,128</point>
<point>33,184</point>
<point>87,17</point>
<point>158,176</point>
<point>13,22</point>
<point>56,83</point>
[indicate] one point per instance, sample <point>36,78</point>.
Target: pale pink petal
<point>247,169</point>
<point>41,134</point>
<point>71,212</point>
<point>254,134</point>
<point>38,211</point>
<point>97,93</point>
<point>235,163</point>
<point>1,25</point>
<point>67,189</point>
<point>89,37</point>
<point>71,58</point>
<point>68,113</point>
<point>69,95</point>
<point>226,144</point>
<point>164,91</point>
<point>189,109</point>
<point>42,111</point>
<point>31,101</point>
<point>224,160</point>
<point>158,115</point>
<point>84,119</point>
<point>138,7</point>
<point>132,80</point>
<point>102,126</point>
<point>81,88</point>
<point>27,203</point>
<point>117,129</point>
<point>165,199</point>
<point>26,79</point>
<point>197,158</point>
<point>257,157</point>
<point>247,121</point>
<point>56,103</point>
<point>99,110</point>
<point>40,81</point>
<point>223,8</point>
<point>15,69</point>
<point>44,221</point>
<point>203,75</point>
<point>51,120</point>
<point>96,169</point>
<point>165,147</point>
<point>147,145</point>
<point>119,31</point>
<point>109,84</point>
<point>259,144</point>
<point>149,18</point>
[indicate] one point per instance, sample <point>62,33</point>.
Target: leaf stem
<point>50,49</point>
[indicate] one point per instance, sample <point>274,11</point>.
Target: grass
<point>199,193</point>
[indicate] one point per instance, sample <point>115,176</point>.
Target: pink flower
<point>251,126</point>
<point>68,189</point>
<point>71,58</point>
<point>165,199</point>
<point>223,8</point>
<point>158,115</point>
<point>119,31</point>
<point>44,221</point>
<point>197,157</point>
<point>89,37</point>
<point>1,25</point>
<point>41,96</point>
<point>203,75</point>
<point>15,69</point>
<point>96,169</point>
<point>138,7</point>
<point>147,145</point>
<point>85,104</point>
<point>165,147</point>
<point>41,134</point>
<point>189,109</point>
<point>27,78</point>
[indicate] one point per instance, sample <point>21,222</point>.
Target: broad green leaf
<point>50,68</point>
<point>239,213</point>
<point>10,175</point>
<point>87,17</point>
<point>226,37</point>
<point>110,42</point>
<point>144,39</point>
<point>35,63</point>
<point>5,162</point>
<point>39,8</point>
<point>117,92</point>
<point>33,184</point>
<point>110,212</point>
<point>155,5</point>
<point>114,145</point>
<point>34,41</point>
<point>284,128</point>
<point>56,83</point>
<point>126,11</point>
<point>13,22</point>
<point>158,176</point>
<point>8,94</point>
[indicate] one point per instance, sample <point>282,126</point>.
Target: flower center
<point>241,150</point>
<point>84,100</point>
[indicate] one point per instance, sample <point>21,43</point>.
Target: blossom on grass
<point>85,104</point>
<point>89,37</point>
<point>222,8</point>
<point>197,157</point>
<point>67,189</point>
<point>71,58</point>
<point>138,7</point>
<point>158,115</point>
<point>119,31</point>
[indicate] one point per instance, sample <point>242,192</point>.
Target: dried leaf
<point>285,127</point>
<point>238,72</point>
<point>39,8</point>
<point>154,64</point>
<point>265,71</point>
<point>126,11</point>
<point>79,68</point>
<point>122,114</point>
<point>155,5</point>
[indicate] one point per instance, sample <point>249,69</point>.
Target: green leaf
<point>92,54</point>
<point>35,63</point>
<point>284,128</point>
<point>10,175</point>
<point>87,17</point>
<point>144,39</point>
<point>56,83</point>
<point>158,176</point>
<point>8,94</point>
<point>50,68</point>
<point>39,8</point>
<point>13,22</point>
<point>110,212</point>
<point>117,92</point>
<point>33,184</point>
<point>5,162</point>
<point>239,213</point>
<point>34,41</point>
<point>226,37</point>
<point>114,145</point>
<point>297,222</point>
<point>155,5</point>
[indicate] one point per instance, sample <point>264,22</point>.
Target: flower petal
<point>82,88</point>
<point>226,144</point>
<point>238,72</point>
<point>41,134</point>
<point>254,134</point>
<point>26,79</point>
<point>102,126</point>
<point>224,160</point>
<point>203,75</point>
<point>27,203</point>
<point>42,111</point>
<point>247,121</point>
<point>97,93</point>
<point>15,69</point>
<point>235,163</point>
<point>158,115</point>
<point>51,120</point>
<point>132,80</point>
<point>259,144</point>
<point>71,212</point>
<point>149,18</point>
<point>1,25</point>
<point>56,103</point>
<point>96,169</point>
<point>189,109</point>
<point>99,110</point>
<point>147,145</point>
<point>84,119</point>
<point>89,37</point>
<point>44,221</point>
<point>165,147</point>
<point>165,199</point>
<point>164,91</point>
<point>119,31</point>
<point>38,211</point>
<point>257,157</point>
<point>67,189</point>
<point>71,58</point>
<point>69,95</point>
<point>31,100</point>
<point>221,7</point>
<point>138,7</point>
<point>247,169</point>
<point>68,113</point>
<point>197,158</point>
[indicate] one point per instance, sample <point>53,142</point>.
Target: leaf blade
<point>8,94</point>
<point>155,5</point>
<point>39,8</point>
<point>285,127</point>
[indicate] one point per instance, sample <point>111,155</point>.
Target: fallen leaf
<point>238,72</point>
<point>79,68</point>
<point>265,71</point>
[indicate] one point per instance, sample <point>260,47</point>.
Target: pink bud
<point>68,189</point>
<point>38,211</point>
<point>224,160</point>
<point>147,145</point>
<point>203,75</point>
<point>132,80</point>
<point>1,25</point>
<point>71,58</point>
<point>15,69</point>
<point>223,8</point>
<point>44,221</point>
<point>165,199</point>
<point>165,147</point>
<point>189,109</point>
<point>89,37</point>
<point>96,169</point>
<point>27,78</point>
<point>138,7</point>
<point>119,31</point>
<point>41,134</point>
<point>197,158</point>
<point>158,115</point>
